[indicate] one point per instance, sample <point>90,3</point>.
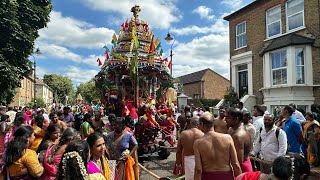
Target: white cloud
<point>204,12</point>
<point>80,75</point>
<point>40,71</point>
<point>58,52</point>
<point>233,4</point>
<point>219,26</point>
<point>70,32</point>
<point>92,59</point>
<point>211,51</point>
<point>160,13</point>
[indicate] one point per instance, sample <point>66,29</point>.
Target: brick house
<point>44,91</point>
<point>204,84</point>
<point>25,93</point>
<point>275,52</point>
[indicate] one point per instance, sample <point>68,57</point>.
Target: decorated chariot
<point>134,79</point>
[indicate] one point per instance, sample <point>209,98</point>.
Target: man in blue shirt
<point>293,129</point>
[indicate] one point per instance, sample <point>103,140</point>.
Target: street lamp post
<point>35,78</point>
<point>169,39</point>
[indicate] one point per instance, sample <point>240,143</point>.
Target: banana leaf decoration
<point>134,60</point>
<point>118,56</point>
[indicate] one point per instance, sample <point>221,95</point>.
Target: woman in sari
<point>311,136</point>
<point>22,163</point>
<point>98,163</point>
<point>51,137</point>
<point>122,146</point>
<point>74,162</point>
<point>53,155</point>
<point>86,127</point>
<point>39,131</point>
<point>19,120</point>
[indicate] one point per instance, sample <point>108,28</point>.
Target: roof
<point>242,9</point>
<point>287,40</point>
<point>39,81</point>
<point>196,76</point>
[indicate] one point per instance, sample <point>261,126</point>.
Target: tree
<point>61,85</point>
<point>40,102</point>
<point>19,25</point>
<point>88,91</point>
<point>231,97</point>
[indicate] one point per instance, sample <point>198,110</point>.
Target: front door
<point>243,80</point>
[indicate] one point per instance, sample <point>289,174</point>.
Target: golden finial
<point>135,10</point>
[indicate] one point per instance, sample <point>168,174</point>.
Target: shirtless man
<point>54,119</point>
<point>215,153</point>
<point>184,119</point>
<point>185,144</point>
<point>97,122</point>
<point>220,124</point>
<point>241,139</point>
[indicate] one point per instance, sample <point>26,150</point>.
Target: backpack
<point>277,134</point>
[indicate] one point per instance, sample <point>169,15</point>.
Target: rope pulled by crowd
<point>156,176</point>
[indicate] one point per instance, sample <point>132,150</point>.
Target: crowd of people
<point>65,144</point>
<point>285,142</point>
<point>86,142</point>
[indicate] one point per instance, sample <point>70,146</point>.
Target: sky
<point>78,30</point>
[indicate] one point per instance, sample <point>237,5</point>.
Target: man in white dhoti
<point>185,149</point>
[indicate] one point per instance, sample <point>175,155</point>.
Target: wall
<point>255,18</point>
<point>192,88</point>
<point>215,86</point>
<point>24,94</point>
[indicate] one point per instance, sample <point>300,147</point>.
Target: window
<point>196,96</point>
<point>273,21</point>
<point>299,58</point>
<point>241,39</point>
<point>279,67</point>
<point>295,14</point>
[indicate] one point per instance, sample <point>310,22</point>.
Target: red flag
<point>164,60</point>
<point>170,64</point>
<point>107,55</point>
<point>122,25</point>
<point>127,24</point>
<point>146,27</point>
<point>99,62</point>
<point>151,50</point>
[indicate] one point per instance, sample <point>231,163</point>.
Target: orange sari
<point>39,134</point>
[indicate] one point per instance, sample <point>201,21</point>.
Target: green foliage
<point>61,85</point>
<point>209,102</point>
<point>88,91</point>
<point>231,97</point>
<point>19,25</point>
<point>203,102</point>
<point>40,102</point>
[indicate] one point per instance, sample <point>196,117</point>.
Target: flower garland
<point>292,165</point>
<point>70,155</point>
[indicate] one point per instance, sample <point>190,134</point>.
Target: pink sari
<point>50,169</point>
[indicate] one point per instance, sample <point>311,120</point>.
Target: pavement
<point>162,168</point>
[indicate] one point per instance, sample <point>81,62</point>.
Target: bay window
<point>279,67</point>
<point>299,59</point>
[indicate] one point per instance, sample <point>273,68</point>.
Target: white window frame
<point>304,64</point>
<point>244,33</point>
<point>280,68</point>
<point>287,18</point>
<point>291,67</point>
<point>267,29</point>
